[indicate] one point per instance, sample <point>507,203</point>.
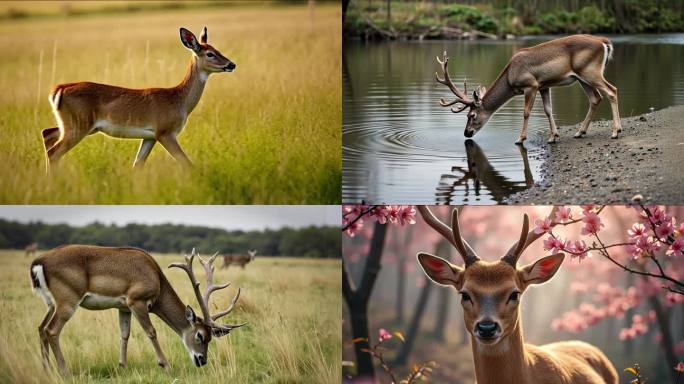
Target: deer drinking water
<point>490,295</point>
<point>130,280</point>
<point>240,260</point>
<point>149,115</point>
<point>554,63</point>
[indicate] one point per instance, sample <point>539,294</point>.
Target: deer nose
<point>486,329</point>
<point>468,133</point>
<point>231,66</point>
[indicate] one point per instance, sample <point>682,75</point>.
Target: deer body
<point>554,63</point>
<point>31,249</point>
<point>491,293</point>
<point>240,260</point>
<point>151,115</point>
<point>127,279</point>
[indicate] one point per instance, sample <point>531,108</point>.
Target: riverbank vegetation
<point>424,19</point>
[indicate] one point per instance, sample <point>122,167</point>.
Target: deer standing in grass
<point>149,115</point>
<point>240,260</point>
<point>554,63</point>
<point>130,280</point>
<point>490,296</point>
<point>31,249</point>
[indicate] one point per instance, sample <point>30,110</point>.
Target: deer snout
<point>230,67</point>
<point>486,329</point>
<point>468,133</point>
<point>200,360</point>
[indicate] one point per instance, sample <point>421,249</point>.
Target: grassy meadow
<point>269,133</point>
<point>292,306</point>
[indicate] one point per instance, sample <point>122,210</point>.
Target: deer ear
<point>439,270</point>
<point>190,314</point>
<point>218,332</point>
<point>543,269</point>
<point>203,35</point>
<point>189,40</point>
<point>479,93</point>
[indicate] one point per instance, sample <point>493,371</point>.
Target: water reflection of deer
<point>481,172</point>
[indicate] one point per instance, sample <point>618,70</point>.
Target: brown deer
<point>31,249</point>
<point>130,280</point>
<point>240,260</point>
<point>554,63</point>
<point>490,295</point>
<point>150,114</point>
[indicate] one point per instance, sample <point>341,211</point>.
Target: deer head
<point>477,114</point>
<point>252,255</point>
<point>197,336</point>
<point>209,59</point>
<point>490,291</point>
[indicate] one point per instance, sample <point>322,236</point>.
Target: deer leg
<point>139,309</point>
<point>143,152</point>
<point>594,99</point>
<point>546,100</point>
<point>50,137</point>
<point>44,342</point>
<point>530,94</point>
<point>62,314</point>
<point>69,139</point>
<point>125,325</point>
<point>170,143</point>
<point>611,92</point>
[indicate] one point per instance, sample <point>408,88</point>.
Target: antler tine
<point>187,267</point>
<point>461,97</point>
<point>209,270</point>
<point>230,308</point>
<point>450,234</point>
<point>527,237</point>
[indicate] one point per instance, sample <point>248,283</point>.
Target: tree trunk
<point>357,300</point>
<point>662,317</point>
<point>401,275</point>
<point>442,309</point>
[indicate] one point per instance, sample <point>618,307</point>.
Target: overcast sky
<point>244,217</point>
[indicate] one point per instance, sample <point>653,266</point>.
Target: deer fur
<point>236,259</point>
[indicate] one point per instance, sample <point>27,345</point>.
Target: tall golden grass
<point>267,133</point>
<point>292,307</point>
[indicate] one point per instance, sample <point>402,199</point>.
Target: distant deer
<point>240,260</point>
<point>490,295</point>
<point>554,63</point>
<point>31,249</point>
<point>130,280</point>
<point>150,114</point>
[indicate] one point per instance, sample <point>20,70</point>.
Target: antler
<point>526,238</point>
<point>210,288</point>
<point>461,97</point>
<point>452,234</point>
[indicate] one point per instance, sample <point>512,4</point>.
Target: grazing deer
<point>555,63</point>
<point>240,260</point>
<point>490,296</point>
<point>130,280</point>
<point>150,115</point>
<point>31,249</point>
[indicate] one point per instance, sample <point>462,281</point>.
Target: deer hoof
<point>614,136</point>
<point>551,140</point>
<point>578,135</point>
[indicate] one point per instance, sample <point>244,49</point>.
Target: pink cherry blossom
<point>664,230</point>
<point>677,247</point>
<point>637,231</point>
<point>407,214</point>
<point>580,250</point>
<point>353,228</point>
<point>553,244</point>
<point>381,214</point>
<point>563,214</point>
<point>542,226</point>
<point>679,367</point>
<point>592,223</point>
<point>384,335</point>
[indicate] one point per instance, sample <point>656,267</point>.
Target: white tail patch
<point>55,99</point>
<point>607,55</point>
<point>42,288</point>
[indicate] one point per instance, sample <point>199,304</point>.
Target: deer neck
<point>504,362</point>
<point>191,87</point>
<point>498,93</point>
<point>170,308</point>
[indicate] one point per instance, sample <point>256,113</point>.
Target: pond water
<point>401,146</point>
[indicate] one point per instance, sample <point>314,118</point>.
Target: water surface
<point>401,146</point>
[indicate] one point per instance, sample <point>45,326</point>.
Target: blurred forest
<point>312,241</point>
<point>421,19</point>
<point>381,259</point>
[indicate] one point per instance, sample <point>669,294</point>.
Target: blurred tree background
<point>312,241</point>
<point>420,19</point>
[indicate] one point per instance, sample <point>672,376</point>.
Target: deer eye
<point>465,297</point>
<point>199,338</point>
<point>514,296</point>
<point>210,55</point>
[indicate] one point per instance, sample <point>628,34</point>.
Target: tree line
<point>312,241</point>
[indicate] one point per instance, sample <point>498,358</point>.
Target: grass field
<point>292,306</point>
<point>268,133</point>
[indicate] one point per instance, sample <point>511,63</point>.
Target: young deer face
<point>210,60</point>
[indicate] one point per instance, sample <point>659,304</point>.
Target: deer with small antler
<point>130,280</point>
<point>558,62</point>
<point>151,115</point>
<point>490,295</point>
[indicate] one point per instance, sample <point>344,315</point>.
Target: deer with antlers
<point>554,63</point>
<point>130,280</point>
<point>151,115</point>
<point>490,295</point>
<point>240,260</point>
